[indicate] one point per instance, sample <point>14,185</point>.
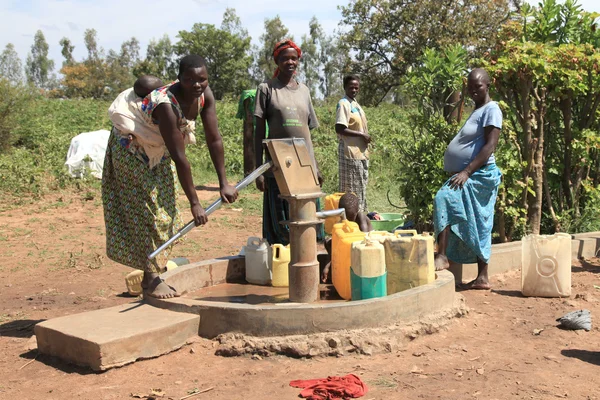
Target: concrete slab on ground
<point>115,336</point>
<point>507,256</point>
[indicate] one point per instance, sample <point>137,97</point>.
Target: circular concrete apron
<point>284,318</point>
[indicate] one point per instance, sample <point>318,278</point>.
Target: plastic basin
<point>388,222</point>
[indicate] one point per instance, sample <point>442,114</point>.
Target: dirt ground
<point>53,263</point>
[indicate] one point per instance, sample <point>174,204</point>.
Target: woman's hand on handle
<point>229,193</point>
<point>199,215</point>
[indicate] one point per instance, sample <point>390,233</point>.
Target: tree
<point>39,66</point>
<point>10,65</point>
<point>388,36</point>
<point>546,70</point>
<point>264,66</point>
<point>159,60</point>
<point>312,65</point>
<point>226,54</point>
<point>232,24</point>
<point>130,53</point>
<point>67,51</point>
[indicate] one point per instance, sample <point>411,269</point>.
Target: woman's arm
<point>260,131</point>
<point>214,143</point>
<point>173,139</point>
<point>345,131</point>
<point>491,134</point>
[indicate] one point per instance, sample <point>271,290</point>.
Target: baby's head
<point>349,202</point>
<point>146,84</point>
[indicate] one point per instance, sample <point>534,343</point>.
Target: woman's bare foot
<point>477,284</point>
<point>158,288</point>
<point>441,262</point>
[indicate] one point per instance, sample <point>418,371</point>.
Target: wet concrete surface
<point>254,294</point>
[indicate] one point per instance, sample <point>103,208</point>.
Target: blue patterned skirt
<point>470,214</point>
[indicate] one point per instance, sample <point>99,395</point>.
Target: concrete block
<point>115,336</point>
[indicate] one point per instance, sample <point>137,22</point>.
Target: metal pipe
<point>341,212</point>
<point>214,206</point>
<point>303,270</point>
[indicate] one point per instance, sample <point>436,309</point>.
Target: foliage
<point>388,36</point>
<point>15,97</point>
<point>10,64</point>
<point>226,54</point>
<point>159,61</point>
<point>545,68</point>
<point>322,62</point>
<point>38,66</point>
<point>264,65</point>
<point>421,148</point>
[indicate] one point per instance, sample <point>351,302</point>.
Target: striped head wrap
<point>281,46</point>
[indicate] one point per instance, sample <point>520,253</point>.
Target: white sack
<point>86,153</point>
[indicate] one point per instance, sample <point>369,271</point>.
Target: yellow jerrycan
<point>546,265</point>
<point>409,260</point>
<point>344,234</point>
<point>332,202</point>
<point>281,261</point>
<point>367,269</point>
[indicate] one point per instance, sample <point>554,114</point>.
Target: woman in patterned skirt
<point>144,160</point>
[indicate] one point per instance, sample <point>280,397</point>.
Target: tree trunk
<point>534,215</point>
<point>566,105</point>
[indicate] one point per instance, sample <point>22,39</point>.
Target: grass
<point>34,167</point>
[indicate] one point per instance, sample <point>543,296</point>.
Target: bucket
<point>409,260</point>
<point>281,261</point>
<point>344,234</point>
<point>332,202</point>
<point>367,270</point>
<point>546,265</point>
<point>258,261</point>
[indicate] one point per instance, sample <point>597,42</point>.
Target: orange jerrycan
<point>409,260</point>
<point>332,202</point>
<point>281,261</point>
<point>344,234</point>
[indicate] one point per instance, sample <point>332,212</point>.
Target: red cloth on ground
<point>331,388</point>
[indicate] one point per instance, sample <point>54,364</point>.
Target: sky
<point>119,20</point>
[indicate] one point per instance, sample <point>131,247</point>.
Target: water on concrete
<point>254,294</point>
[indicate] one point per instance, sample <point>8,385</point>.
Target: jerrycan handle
<point>276,251</point>
<point>254,241</point>
<point>400,232</point>
<point>347,227</point>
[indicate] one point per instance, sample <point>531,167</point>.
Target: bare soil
<point>53,263</point>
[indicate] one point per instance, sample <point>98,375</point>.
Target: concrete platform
<point>218,315</point>
<point>115,336</point>
<point>507,256</point>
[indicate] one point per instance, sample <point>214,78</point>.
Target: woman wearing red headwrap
<point>284,104</point>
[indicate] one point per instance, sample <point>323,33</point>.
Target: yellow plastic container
<point>281,261</point>
<point>133,280</point>
<point>344,234</point>
<point>546,265</point>
<point>409,260</point>
<point>367,276</point>
<point>332,202</point>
